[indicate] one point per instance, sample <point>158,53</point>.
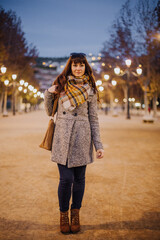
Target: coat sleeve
<point>48,102</point>
<point>94,122</point>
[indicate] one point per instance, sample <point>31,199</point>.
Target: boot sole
<point>75,231</point>
<point>65,233</point>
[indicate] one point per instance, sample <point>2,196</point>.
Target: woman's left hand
<point>100,153</point>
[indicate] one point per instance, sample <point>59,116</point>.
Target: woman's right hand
<point>52,89</point>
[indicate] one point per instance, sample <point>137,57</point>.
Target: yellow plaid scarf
<point>76,92</point>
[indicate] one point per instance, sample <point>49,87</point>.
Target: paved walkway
<point>122,196</point>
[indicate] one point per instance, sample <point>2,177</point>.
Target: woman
<point>76,130</point>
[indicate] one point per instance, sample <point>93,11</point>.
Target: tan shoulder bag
<point>48,138</point>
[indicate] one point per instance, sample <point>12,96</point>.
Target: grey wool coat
<point>75,132</point>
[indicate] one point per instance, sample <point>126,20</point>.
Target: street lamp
<point>5,113</point>
<point>139,71</point>
<point>14,76</point>
<point>128,62</point>
<point>128,72</point>
<point>106,77</point>
<point>98,82</point>
<point>26,84</point>
<point>114,82</point>
<point>21,82</point>
<point>3,69</point>
<point>101,89</point>
<point>42,95</point>
<point>117,70</point>
<point>20,88</point>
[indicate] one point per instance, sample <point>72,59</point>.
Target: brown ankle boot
<point>75,223</point>
<point>64,222</point>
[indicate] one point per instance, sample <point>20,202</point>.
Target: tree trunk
<point>155,104</point>
<point>125,89</point>
<point>19,104</point>
<point>5,113</point>
<point>1,102</point>
<point>145,87</point>
<point>145,99</point>
<point>111,100</point>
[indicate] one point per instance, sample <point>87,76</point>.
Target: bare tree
<point>16,54</point>
<point>146,23</point>
<point>134,34</point>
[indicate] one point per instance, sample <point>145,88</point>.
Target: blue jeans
<point>72,182</point>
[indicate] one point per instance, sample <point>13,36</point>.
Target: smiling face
<point>78,69</point>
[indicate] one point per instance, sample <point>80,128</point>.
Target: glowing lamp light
<point>117,70</point>
<point>124,100</point>
<point>30,87</point>
<point>14,76</point>
<point>38,93</point>
<point>21,82</point>
<point>114,82</point>
<point>128,62</point>
<point>92,64</point>
<point>42,95</point>
<point>20,88</point>
<point>35,95</point>
<point>98,82</point>
<point>26,84</point>
<point>34,90</point>
<point>6,82</point>
<point>106,76</point>
<point>139,71</point>
<point>103,64</point>
<point>101,88</point>
<point>116,100</point>
<point>25,90</point>
<point>137,104</point>
<point>3,69</point>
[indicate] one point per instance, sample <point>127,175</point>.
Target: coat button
<point>64,112</point>
<point>75,114</point>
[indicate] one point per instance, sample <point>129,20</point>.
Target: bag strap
<point>55,105</point>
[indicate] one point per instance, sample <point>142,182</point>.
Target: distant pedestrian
<point>106,110</point>
<point>149,109</point>
<point>76,130</point>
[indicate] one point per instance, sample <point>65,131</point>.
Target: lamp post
<point>5,113</point>
<point>128,64</point>
<point>3,70</point>
<point>128,72</point>
<point>14,76</point>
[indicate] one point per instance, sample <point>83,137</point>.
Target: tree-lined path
<point>122,196</point>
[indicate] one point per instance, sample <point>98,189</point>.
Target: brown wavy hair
<point>62,78</point>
